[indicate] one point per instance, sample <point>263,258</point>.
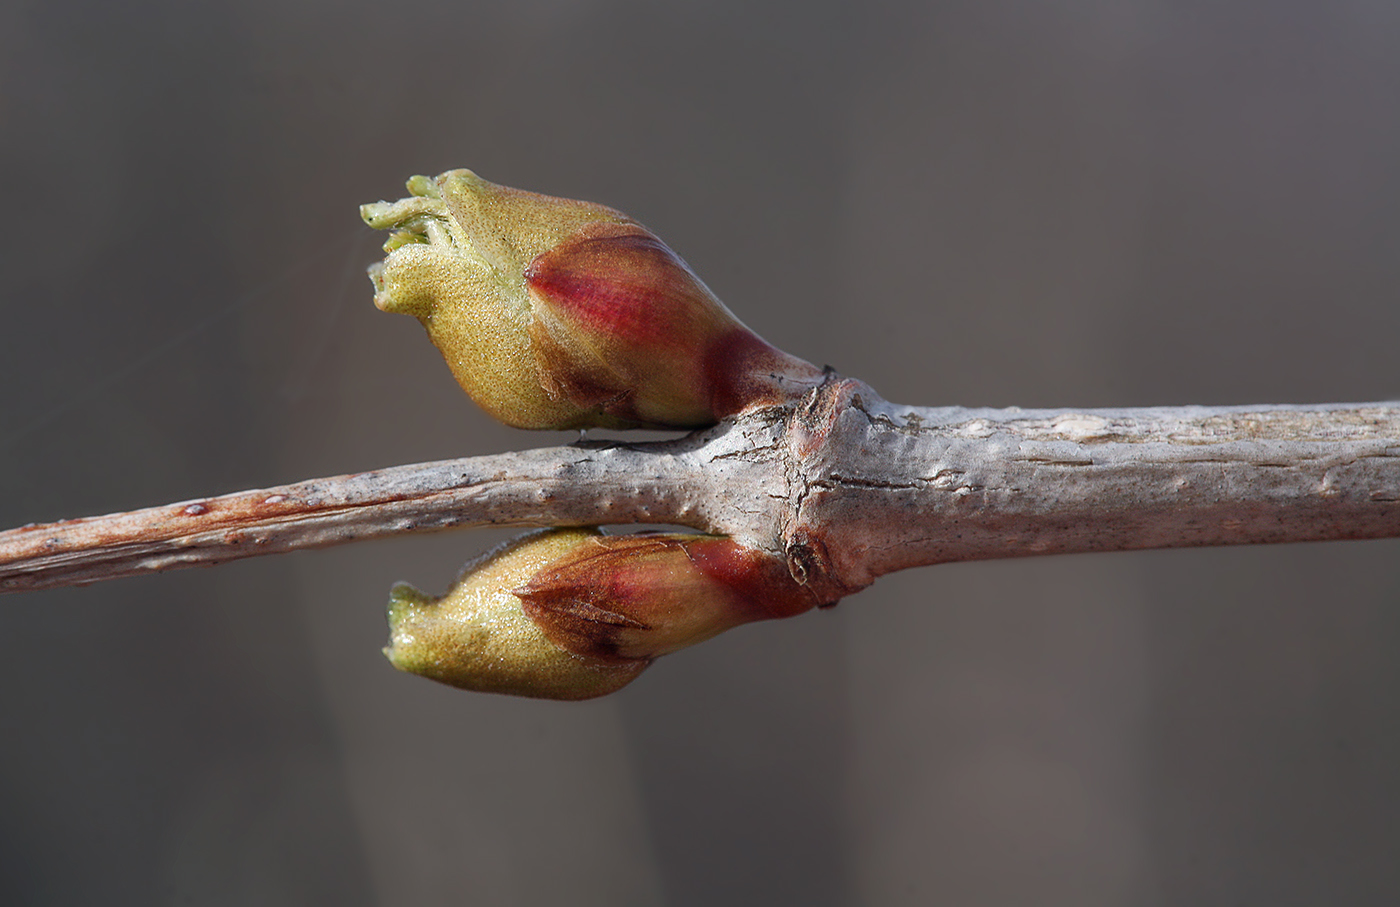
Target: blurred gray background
<point>977,203</point>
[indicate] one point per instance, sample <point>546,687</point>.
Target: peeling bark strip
<point>846,486</point>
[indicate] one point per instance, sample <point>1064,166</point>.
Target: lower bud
<point>572,614</point>
<point>477,637</point>
<point>642,596</point>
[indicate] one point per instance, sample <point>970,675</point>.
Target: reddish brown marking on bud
<point>761,579</point>
<point>572,623</point>
<point>624,281</point>
<point>573,601</point>
<point>640,596</point>
<point>737,368</point>
<point>564,378</point>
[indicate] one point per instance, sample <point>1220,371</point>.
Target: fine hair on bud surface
<point>477,636</point>
<point>561,314</point>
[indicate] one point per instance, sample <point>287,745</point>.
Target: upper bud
<point>571,614</point>
<point>563,314</point>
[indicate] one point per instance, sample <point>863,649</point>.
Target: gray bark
<point>846,486</point>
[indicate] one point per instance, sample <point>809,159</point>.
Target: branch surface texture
<point>845,486</point>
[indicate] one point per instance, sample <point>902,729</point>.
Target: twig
<point>846,486</point>
<point>586,484</point>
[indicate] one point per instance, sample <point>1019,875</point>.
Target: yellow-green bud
<point>478,638</point>
<point>572,614</point>
<point>555,313</point>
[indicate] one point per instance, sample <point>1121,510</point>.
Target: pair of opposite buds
<point>559,314</point>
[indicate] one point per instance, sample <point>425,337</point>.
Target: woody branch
<point>845,486</point>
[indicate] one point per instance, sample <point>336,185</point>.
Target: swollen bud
<point>572,614</point>
<point>646,595</point>
<point>477,636</point>
<point>563,314</point>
